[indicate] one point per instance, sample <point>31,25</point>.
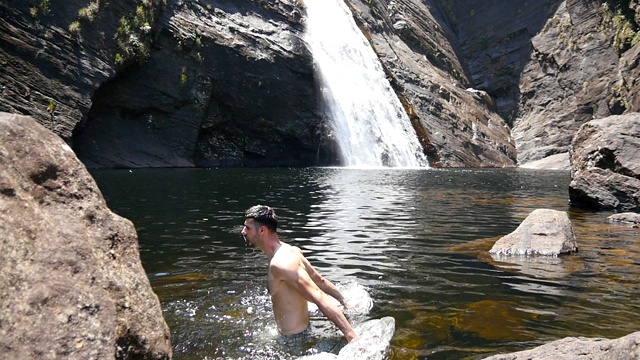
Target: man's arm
<point>299,280</point>
<point>323,283</point>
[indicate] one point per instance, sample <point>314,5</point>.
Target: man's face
<point>251,231</point>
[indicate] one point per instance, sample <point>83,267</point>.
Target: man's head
<point>260,221</point>
<point>264,216</point>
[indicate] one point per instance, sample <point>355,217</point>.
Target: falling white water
<point>370,123</point>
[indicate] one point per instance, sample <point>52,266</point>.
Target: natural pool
<point>415,239</point>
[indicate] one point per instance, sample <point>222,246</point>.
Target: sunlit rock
<point>71,282</point>
<point>630,218</point>
<point>544,232</point>
<point>625,218</point>
<point>372,342</point>
<point>627,347</point>
<point>552,162</point>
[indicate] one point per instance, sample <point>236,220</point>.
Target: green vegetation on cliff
<point>622,15</point>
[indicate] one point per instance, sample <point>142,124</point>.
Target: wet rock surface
<point>625,218</point>
<point>456,124</point>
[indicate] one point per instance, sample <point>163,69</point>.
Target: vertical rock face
<point>551,65</point>
<point>457,125</point>
<point>225,84</point>
<point>153,83</point>
<point>495,38</point>
<point>71,281</point>
<point>56,54</point>
<point>575,73</point>
<point>605,171</point>
<point>569,81</point>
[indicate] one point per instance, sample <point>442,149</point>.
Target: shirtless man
<point>292,280</point>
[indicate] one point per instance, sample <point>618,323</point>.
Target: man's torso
<point>289,307</point>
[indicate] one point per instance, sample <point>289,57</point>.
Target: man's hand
<point>345,304</point>
<point>351,335</point>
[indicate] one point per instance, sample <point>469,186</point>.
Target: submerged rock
<point>544,232</point>
<point>494,320</point>
<point>72,284</point>
<point>625,218</point>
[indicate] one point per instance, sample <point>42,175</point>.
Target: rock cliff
<point>165,83</point>
<point>542,69</point>
<point>575,75</point>
<point>458,125</point>
<point>230,83</point>
<point>225,84</point>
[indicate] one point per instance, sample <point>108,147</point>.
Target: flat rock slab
<point>625,218</point>
<point>581,348</point>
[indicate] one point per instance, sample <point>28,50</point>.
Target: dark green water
<point>416,239</point>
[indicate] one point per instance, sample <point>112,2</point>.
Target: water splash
<point>370,124</point>
<point>356,296</point>
<point>372,342</point>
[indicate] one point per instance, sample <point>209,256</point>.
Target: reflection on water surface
<point>416,239</point>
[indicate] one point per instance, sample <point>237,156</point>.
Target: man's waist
<point>300,336</point>
<point>294,330</point>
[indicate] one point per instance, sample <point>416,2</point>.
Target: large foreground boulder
<point>626,347</point>
<point>605,170</point>
<point>544,232</point>
<point>71,282</point>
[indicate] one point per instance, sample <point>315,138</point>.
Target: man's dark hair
<point>264,215</point>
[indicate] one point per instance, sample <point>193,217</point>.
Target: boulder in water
<point>626,347</point>
<point>372,342</point>
<point>625,218</point>
<point>544,232</point>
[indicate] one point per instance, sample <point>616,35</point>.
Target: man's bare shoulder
<point>287,258</point>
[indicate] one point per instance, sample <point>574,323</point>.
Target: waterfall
<point>371,126</point>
